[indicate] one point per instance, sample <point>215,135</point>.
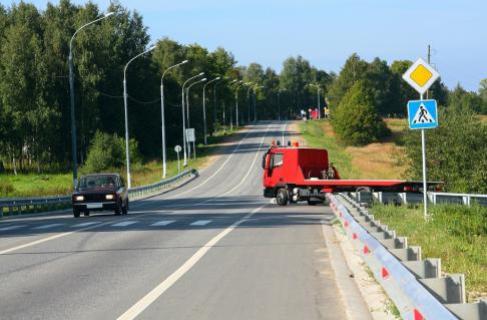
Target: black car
<point>98,192</point>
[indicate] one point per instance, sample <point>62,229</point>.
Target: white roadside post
<point>178,149</point>
<point>422,114</point>
<point>163,119</point>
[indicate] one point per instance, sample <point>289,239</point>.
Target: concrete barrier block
<point>425,269</point>
<point>450,289</point>
<point>471,311</point>
<point>412,253</point>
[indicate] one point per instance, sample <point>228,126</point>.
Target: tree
<point>355,120</point>
<point>353,70</point>
<point>468,100</point>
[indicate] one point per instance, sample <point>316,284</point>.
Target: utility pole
<point>429,62</point>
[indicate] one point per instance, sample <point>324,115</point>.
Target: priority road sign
<point>421,76</point>
<point>422,114</point>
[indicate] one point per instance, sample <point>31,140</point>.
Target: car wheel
<point>282,197</point>
<point>125,208</point>
<point>87,213</point>
<point>118,209</point>
<point>76,213</point>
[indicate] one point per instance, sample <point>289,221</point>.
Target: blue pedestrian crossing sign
<point>422,114</point>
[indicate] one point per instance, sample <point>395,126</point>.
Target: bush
<point>356,121</point>
<point>108,151</point>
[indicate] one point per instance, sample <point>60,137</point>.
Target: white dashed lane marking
<point>200,223</point>
<point>162,223</point>
<point>48,226</point>
<point>84,224</point>
<point>124,223</point>
<point>12,227</point>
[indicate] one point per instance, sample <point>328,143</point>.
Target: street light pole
<point>125,103</point>
<point>204,108</point>
<point>163,119</point>
<point>185,152</point>
<point>74,147</point>
<point>279,104</point>
<point>236,103</point>
<point>187,92</point>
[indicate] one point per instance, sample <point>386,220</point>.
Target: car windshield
<point>96,182</point>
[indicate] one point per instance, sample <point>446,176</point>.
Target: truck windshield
<point>96,182</point>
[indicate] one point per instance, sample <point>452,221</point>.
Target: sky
<point>326,32</point>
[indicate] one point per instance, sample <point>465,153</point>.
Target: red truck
<point>293,174</point>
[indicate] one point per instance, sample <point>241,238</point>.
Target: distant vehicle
<point>293,174</point>
<point>98,192</point>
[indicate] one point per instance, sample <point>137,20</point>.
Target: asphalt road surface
<point>213,248</point>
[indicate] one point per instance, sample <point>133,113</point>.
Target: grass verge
<point>319,134</point>
<point>37,185</point>
<point>381,160</point>
<point>456,234</point>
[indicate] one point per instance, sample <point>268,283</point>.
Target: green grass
<point>315,135</point>
<point>456,234</point>
<point>33,185</point>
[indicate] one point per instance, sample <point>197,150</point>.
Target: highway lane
<point>186,254</point>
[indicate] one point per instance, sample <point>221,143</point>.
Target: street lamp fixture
<point>163,119</point>
<point>185,152</point>
<point>74,147</point>
<point>125,103</point>
<point>204,108</point>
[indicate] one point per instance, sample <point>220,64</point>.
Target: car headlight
<point>79,198</point>
<point>109,197</point>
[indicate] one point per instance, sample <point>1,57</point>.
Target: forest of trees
<point>34,89</point>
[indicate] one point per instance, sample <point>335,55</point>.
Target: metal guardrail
<point>417,198</point>
<point>417,286</point>
<point>17,206</point>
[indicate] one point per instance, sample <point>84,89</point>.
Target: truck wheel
<point>282,197</point>
<point>76,213</point>
<point>87,213</point>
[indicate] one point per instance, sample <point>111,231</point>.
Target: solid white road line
<point>13,227</point>
<point>200,223</point>
<point>162,223</point>
<point>155,293</point>
<point>123,224</point>
<point>47,226</point>
<point>84,224</point>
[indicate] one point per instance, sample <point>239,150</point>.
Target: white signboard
<point>190,135</point>
<point>421,76</point>
<point>177,148</point>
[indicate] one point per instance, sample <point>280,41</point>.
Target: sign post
<point>422,114</point>
<point>178,150</point>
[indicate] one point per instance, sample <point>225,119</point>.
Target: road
<point>213,248</point>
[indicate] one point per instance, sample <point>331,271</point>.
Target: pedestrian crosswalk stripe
<point>47,226</point>
<point>200,223</point>
<point>12,227</point>
<point>123,223</point>
<point>84,224</point>
<point>162,223</point>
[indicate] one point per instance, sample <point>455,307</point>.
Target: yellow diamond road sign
<point>421,76</point>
